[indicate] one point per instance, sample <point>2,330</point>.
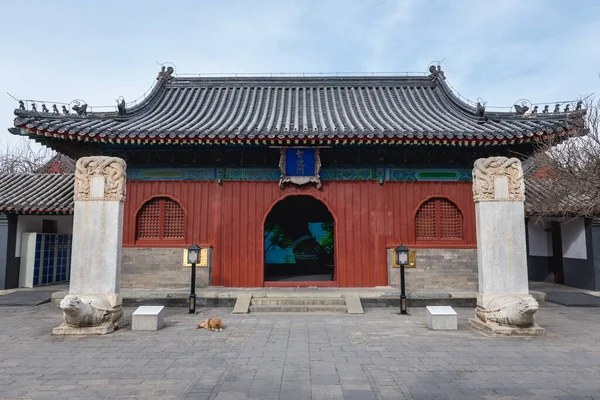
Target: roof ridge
<point>413,109</point>
<point>300,77</point>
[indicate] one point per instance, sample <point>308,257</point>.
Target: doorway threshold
<point>301,284</point>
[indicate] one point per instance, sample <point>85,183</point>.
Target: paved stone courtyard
<point>379,355</point>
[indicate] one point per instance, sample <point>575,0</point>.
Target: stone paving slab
<point>242,304</point>
<point>353,304</point>
<point>377,355</point>
<point>370,297</point>
<point>26,298</point>
<point>574,299</point>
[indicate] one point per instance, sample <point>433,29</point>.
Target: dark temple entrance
<point>299,241</point>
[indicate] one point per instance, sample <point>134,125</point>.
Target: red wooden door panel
<point>369,218</point>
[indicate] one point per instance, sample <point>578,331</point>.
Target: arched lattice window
<point>438,219</point>
<point>160,218</point>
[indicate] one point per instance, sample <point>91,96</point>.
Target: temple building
<point>297,181</point>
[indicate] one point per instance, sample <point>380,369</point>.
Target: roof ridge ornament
<point>80,107</point>
<point>166,74</point>
<point>121,106</point>
<point>480,111</point>
<point>521,109</point>
<point>436,73</point>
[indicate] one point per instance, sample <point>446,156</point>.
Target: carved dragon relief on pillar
<point>487,171</point>
<point>112,169</point>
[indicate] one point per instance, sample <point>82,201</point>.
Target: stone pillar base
<point>494,328</point>
<point>104,329</point>
<point>94,314</point>
<point>88,330</point>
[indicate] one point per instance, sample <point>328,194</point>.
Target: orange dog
<point>213,324</point>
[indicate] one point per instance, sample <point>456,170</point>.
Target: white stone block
<point>501,250</point>
<point>503,303</point>
<point>96,254</point>
<point>27,267</point>
<point>95,276</point>
<point>441,318</point>
<point>148,318</point>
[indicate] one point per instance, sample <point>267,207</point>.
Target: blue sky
<point>500,51</point>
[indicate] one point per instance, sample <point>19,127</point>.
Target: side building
<point>297,181</point>
<point>563,234</point>
<point>36,224</point>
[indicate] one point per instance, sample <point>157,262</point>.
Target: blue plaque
<point>299,166</point>
<point>300,162</point>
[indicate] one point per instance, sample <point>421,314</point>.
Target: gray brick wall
<point>438,269</point>
<point>145,268</point>
<point>156,268</point>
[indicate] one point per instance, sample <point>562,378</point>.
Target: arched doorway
<point>299,243</point>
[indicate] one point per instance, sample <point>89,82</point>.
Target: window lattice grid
<point>450,221</point>
<point>426,221</point>
<point>438,219</point>
<point>174,220</point>
<point>149,220</point>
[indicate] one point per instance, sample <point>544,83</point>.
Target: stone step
<point>299,301</point>
<point>299,308</point>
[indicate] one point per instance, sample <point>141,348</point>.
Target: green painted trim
<point>381,174</point>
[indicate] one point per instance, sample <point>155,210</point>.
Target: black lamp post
<point>193,254</point>
<point>402,260</point>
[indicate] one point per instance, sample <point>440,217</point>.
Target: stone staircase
<point>298,304</point>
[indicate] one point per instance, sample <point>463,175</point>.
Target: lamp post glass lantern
<point>193,254</point>
<point>401,253</point>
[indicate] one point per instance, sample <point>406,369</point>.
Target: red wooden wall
<point>369,218</point>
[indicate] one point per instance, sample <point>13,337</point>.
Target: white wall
<point>33,223</point>
<point>540,241</point>
<point>3,249</point>
<point>27,267</point>
<point>573,239</point>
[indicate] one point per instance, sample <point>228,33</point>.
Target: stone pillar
<point>504,304</point>
<point>94,304</point>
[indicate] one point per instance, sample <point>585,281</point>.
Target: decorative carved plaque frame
<point>300,180</point>
<point>498,179</point>
<point>111,171</point>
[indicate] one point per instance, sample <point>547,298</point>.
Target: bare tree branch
<point>563,177</point>
<point>20,158</point>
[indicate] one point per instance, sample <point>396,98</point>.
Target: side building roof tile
<point>37,193</point>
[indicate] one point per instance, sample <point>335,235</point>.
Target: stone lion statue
<point>510,310</point>
<point>87,311</point>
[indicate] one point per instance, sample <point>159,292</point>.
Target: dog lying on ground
<point>212,324</point>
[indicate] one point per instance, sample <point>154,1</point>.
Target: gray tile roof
<point>542,199</point>
<point>37,193</point>
<point>419,109</point>
<point>59,164</point>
